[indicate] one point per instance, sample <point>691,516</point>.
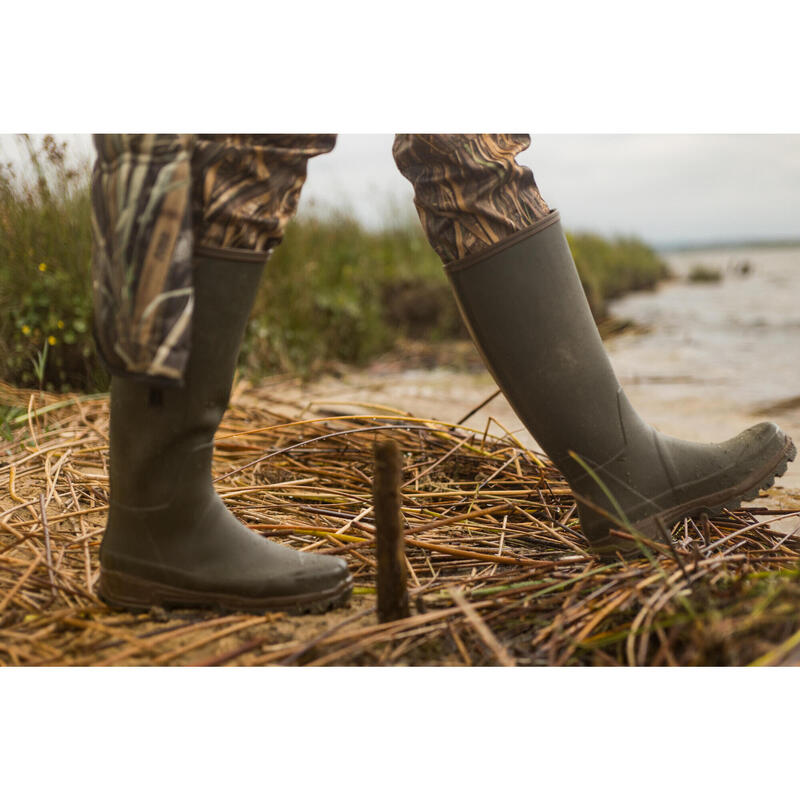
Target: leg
<point>469,190</point>
<point>524,305</point>
<point>245,188</point>
<point>169,539</point>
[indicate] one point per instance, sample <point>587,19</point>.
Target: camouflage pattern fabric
<point>160,198</point>
<point>142,251</point>
<point>469,191</point>
<point>246,187</point>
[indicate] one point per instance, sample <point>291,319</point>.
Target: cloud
<point>673,187</point>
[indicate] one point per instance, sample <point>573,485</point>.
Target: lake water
<point>741,335</point>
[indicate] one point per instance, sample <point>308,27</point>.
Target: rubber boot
<point>169,540</point>
<point>527,312</point>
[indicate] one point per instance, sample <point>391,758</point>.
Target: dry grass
<point>497,564</point>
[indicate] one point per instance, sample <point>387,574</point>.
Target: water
<point>741,335</point>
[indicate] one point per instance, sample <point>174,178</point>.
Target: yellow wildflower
<point>26,329</point>
<point>42,267</point>
<point>51,340</point>
<point>60,324</point>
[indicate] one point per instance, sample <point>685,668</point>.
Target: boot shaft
<point>162,437</point>
<point>527,312</point>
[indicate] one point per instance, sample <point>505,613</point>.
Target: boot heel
<point>129,593</point>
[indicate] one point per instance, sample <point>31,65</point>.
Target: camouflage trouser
<point>159,199</point>
<point>468,188</point>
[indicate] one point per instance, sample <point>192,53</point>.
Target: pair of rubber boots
<point>171,542</point>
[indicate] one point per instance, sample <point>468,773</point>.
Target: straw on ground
<point>498,570</point>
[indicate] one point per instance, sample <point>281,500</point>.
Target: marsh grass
<point>45,257</point>
<point>334,291</point>
<point>610,268</point>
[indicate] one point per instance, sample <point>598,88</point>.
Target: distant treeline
<point>743,244</point>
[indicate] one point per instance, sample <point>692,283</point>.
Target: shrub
<point>700,273</point>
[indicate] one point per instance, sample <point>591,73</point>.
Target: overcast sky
<point>664,188</point>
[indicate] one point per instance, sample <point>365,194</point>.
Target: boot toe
<point>318,572</point>
<point>757,440</point>
<point>759,454</point>
<point>735,471</point>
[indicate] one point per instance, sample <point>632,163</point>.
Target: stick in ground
<point>392,589</point>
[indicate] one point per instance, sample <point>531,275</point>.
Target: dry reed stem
<point>500,653</point>
<point>498,568</point>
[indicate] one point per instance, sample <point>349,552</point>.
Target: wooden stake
<point>392,589</point>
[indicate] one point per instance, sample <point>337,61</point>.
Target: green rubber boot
<point>527,312</point>
<point>169,539</point>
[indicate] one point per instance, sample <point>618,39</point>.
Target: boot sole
<point>730,499</point>
<point>131,593</point>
